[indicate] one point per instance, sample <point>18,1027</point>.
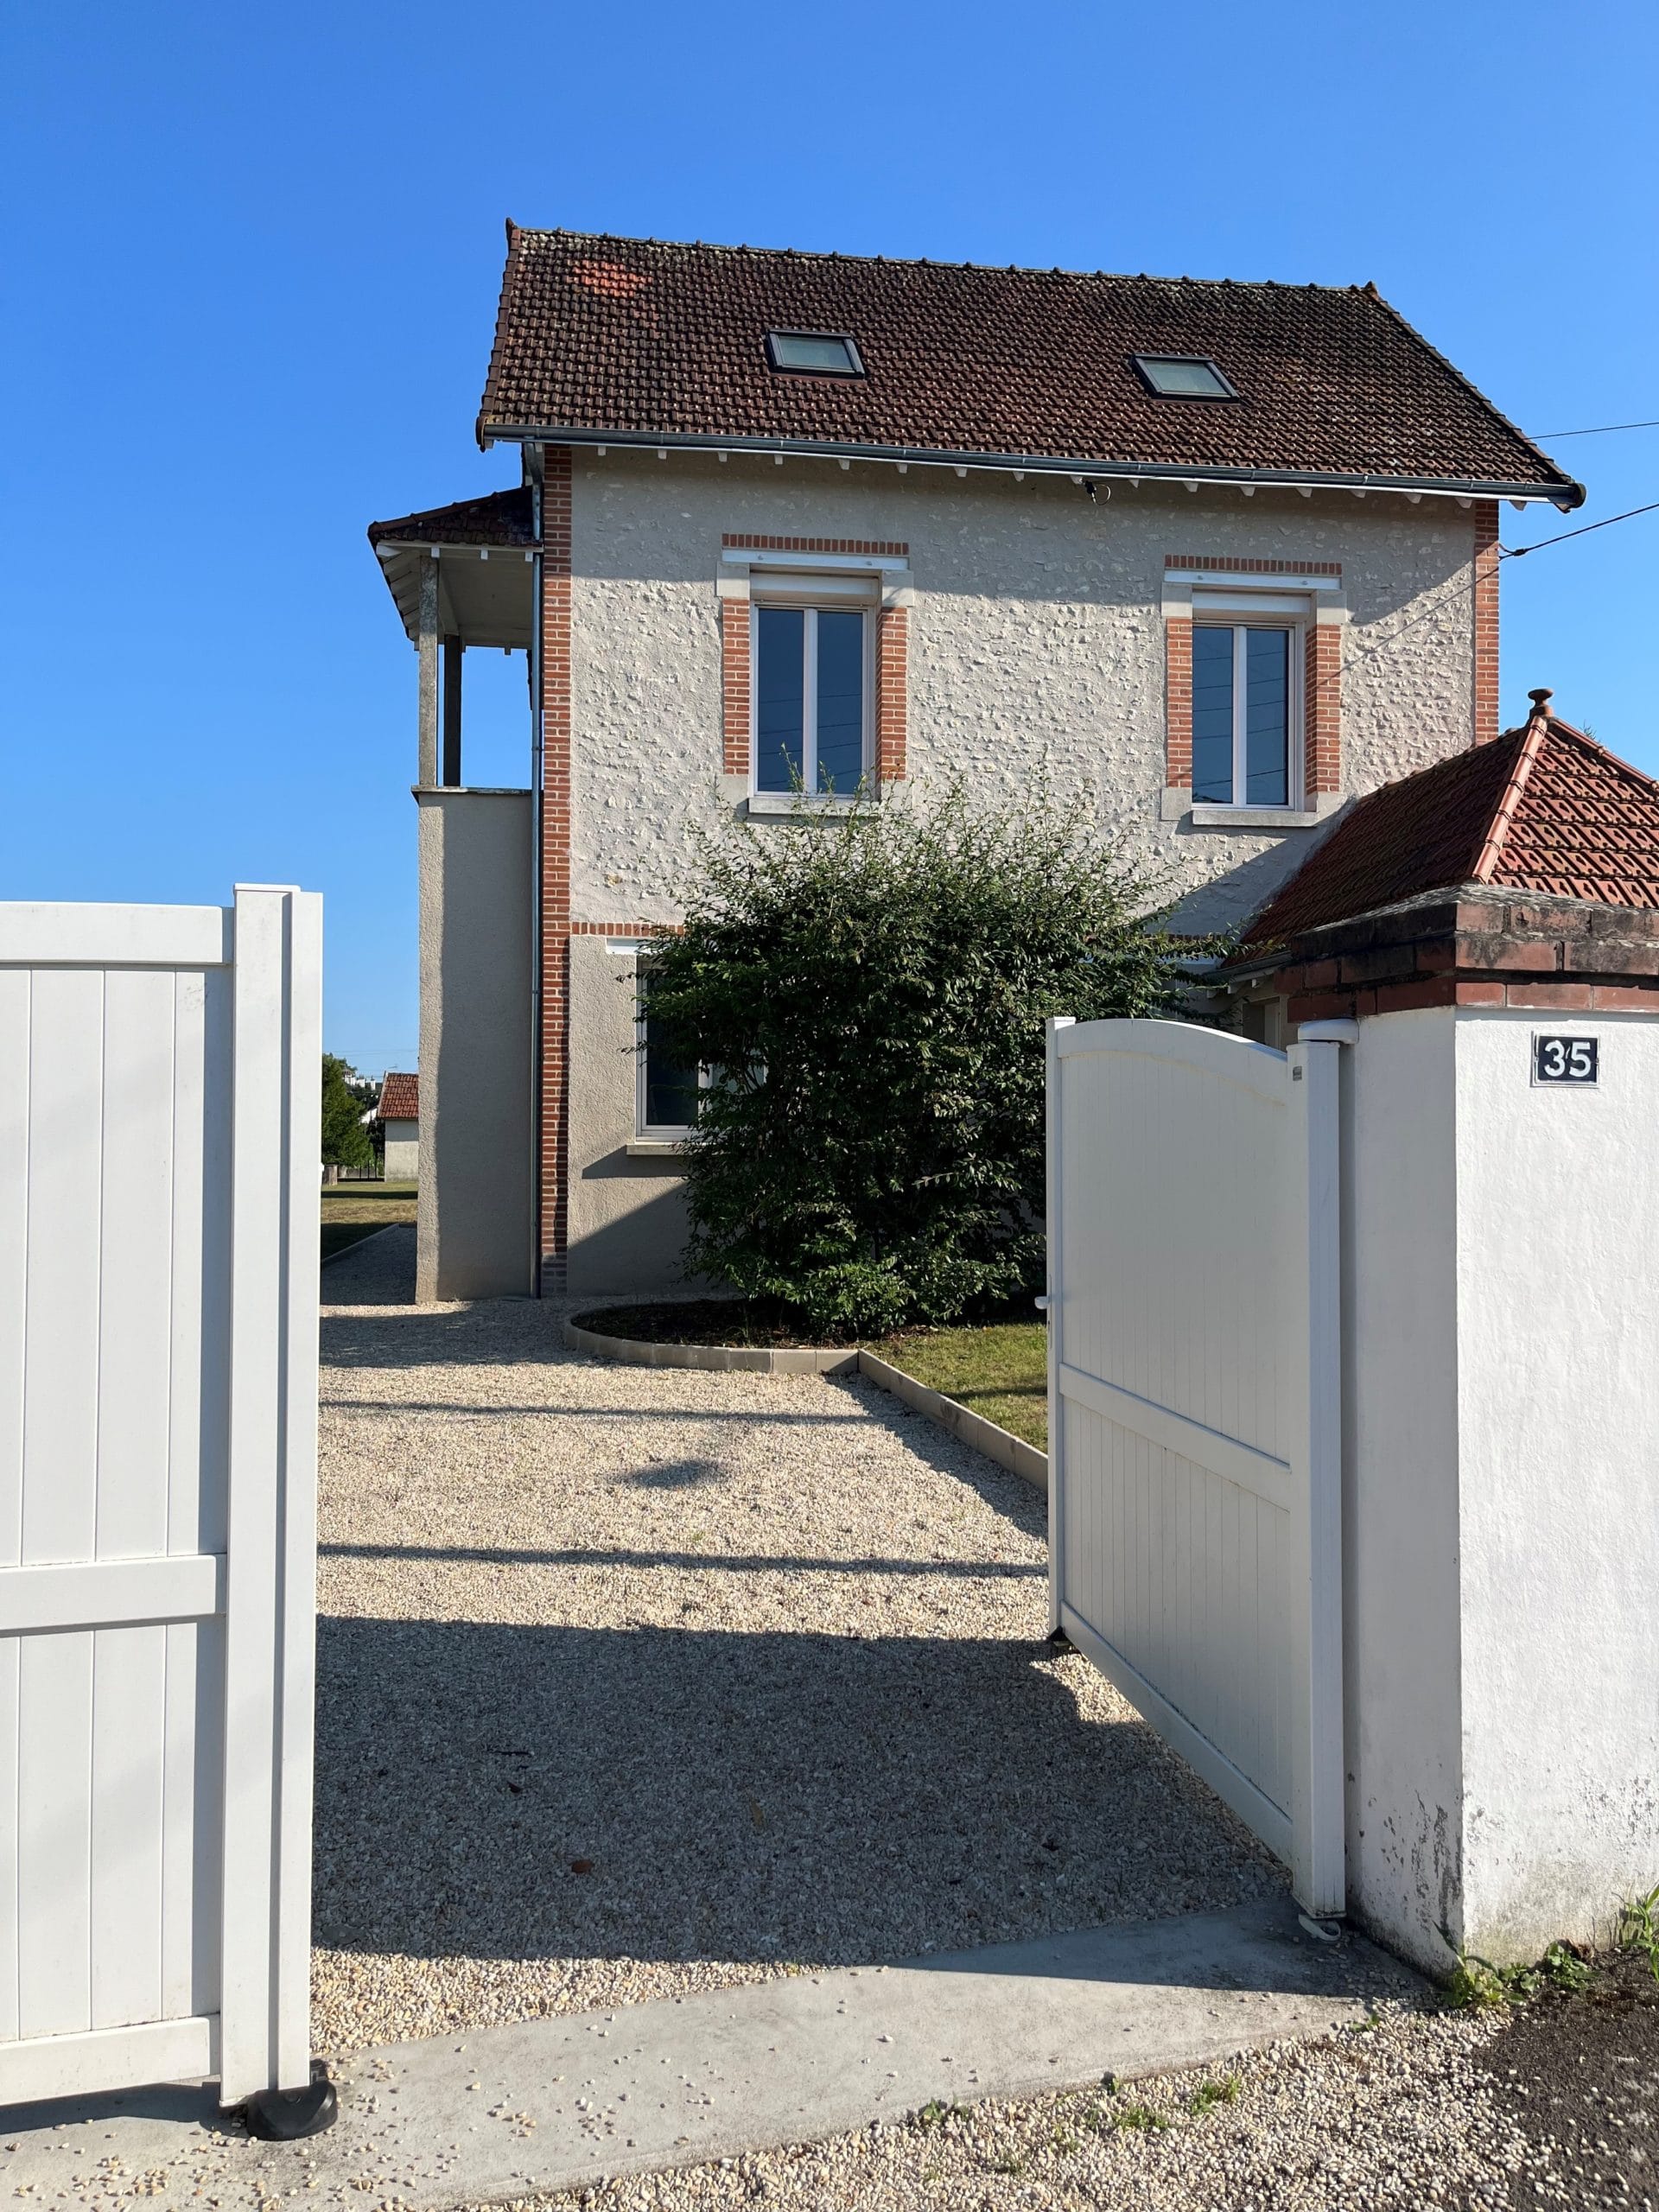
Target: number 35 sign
<point>1566,1059</point>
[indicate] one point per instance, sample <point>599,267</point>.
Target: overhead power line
<point>1513,552</point>
<point>1599,430</point>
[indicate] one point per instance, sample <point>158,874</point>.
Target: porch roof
<point>484,588</point>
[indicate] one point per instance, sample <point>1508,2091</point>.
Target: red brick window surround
<point>892,654</point>
<point>1321,733</point>
<point>736,705</point>
<point>892,681</point>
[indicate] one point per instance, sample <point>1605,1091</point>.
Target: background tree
<point>871,991</point>
<point>346,1099</point>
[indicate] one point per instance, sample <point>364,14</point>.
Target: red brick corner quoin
<point>553,1228</point>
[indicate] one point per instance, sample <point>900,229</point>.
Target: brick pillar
<point>1178,703</point>
<point>1485,596</point>
<point>555,861</point>
<point>892,675</point>
<point>1322,710</point>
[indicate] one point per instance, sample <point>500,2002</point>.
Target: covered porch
<point>463,579</point>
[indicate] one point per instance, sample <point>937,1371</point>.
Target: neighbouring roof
<point>400,1098</point>
<point>1542,808</point>
<point>631,339</point>
<point>498,519</point>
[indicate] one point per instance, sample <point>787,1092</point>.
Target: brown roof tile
<point>638,338</point>
<point>1542,808</point>
<point>498,519</point>
<point>400,1098</point>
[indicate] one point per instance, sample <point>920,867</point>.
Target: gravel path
<point>633,1682</point>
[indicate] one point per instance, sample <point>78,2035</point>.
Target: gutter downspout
<point>533,470</point>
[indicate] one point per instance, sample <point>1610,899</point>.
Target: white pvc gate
<point>1194,1412</point>
<point>159,1139</point>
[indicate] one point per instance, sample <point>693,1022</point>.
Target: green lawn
<point>353,1210</point>
<point>999,1369</point>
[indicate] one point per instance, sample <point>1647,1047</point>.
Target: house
<point>1225,554</point>
<point>399,1112</point>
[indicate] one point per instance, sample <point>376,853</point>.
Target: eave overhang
<point>487,593</point>
<point>1565,495</point>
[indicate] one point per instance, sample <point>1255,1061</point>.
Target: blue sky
<point>251,268</point>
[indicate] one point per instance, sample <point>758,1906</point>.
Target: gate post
<point>1315,1320</point>
<point>1055,1307</point>
<point>270,1633</point>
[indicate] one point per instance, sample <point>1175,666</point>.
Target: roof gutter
<point>1565,495</point>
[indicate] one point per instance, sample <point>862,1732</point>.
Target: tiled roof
<point>400,1098</point>
<point>498,519</point>
<point>1543,809</point>
<point>636,338</point>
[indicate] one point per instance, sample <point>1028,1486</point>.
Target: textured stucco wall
<point>627,1212</point>
<point>475,1207</point>
<point>1035,638</point>
<point>1558,1225</point>
<point>1502,1538</point>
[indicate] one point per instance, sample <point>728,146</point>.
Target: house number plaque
<point>1566,1059</point>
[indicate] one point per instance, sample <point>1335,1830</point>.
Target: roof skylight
<point>818,352</point>
<point>1183,376</point>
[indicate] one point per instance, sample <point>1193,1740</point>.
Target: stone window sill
<point>654,1147</point>
<point>1254,818</point>
<point>773,805</point>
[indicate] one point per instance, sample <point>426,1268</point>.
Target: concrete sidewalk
<point>556,2103</point>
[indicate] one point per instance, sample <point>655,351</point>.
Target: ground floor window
<point>1244,714</point>
<point>669,1087</point>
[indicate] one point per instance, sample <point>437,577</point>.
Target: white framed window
<point>1246,708</point>
<point>812,662</point>
<point>667,1090</point>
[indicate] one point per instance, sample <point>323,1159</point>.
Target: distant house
<point>399,1112</point>
<point>1223,555</point>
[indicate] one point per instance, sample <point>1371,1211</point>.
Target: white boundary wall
<point>159,1140</point>
<point>1502,1505</point>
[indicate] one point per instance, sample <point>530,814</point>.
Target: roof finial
<point>1540,700</point>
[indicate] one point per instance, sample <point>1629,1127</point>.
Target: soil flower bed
<point>750,1324</point>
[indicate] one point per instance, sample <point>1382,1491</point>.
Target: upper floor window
<point>812,686</point>
<point>1183,376</point>
<point>1245,710</point>
<point>818,352</point>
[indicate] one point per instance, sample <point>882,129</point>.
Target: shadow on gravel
<point>967,1570</point>
<point>495,1791</point>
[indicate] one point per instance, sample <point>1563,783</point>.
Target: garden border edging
<point>968,1427</point>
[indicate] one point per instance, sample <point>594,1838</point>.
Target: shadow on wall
<point>1248,884</point>
<point>760,1797</point>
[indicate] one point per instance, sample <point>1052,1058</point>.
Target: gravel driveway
<point>633,1682</point>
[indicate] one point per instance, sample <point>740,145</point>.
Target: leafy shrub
<point>870,991</point>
